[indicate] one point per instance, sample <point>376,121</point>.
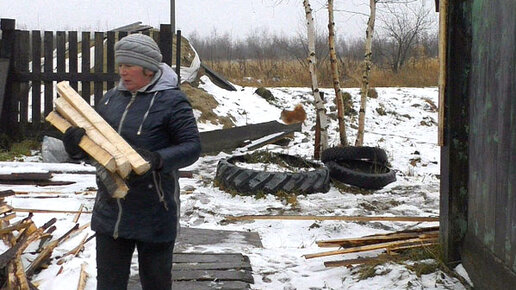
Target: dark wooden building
<point>478,156</point>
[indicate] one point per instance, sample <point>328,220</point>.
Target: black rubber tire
<point>363,174</point>
<point>249,181</point>
<point>372,154</point>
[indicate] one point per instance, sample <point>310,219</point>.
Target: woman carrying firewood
<point>150,112</point>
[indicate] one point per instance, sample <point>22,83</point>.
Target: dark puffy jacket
<point>159,119</point>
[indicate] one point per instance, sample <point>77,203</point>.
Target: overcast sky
<point>236,17</point>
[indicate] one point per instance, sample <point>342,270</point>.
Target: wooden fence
<point>40,59</point>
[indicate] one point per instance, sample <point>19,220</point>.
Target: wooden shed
<point>478,138</point>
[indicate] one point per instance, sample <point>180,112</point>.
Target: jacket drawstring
<point>118,219</point>
<point>146,113</point>
<point>159,188</point>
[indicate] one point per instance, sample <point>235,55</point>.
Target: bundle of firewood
<point>114,157</point>
<point>19,235</point>
<point>391,243</point>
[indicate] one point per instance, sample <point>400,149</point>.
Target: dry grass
<point>283,73</point>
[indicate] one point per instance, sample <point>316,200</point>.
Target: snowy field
<point>401,120</point>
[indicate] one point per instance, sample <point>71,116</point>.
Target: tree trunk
<point>335,75</point>
<point>312,61</point>
<point>364,89</point>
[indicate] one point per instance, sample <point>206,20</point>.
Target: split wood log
<point>138,164</point>
<point>75,251</point>
<point>16,227</point>
<point>24,240</point>
<point>46,238</point>
<point>65,109</point>
<point>78,215</point>
<point>7,217</point>
<point>339,218</point>
<point>115,185</point>
<point>45,254</point>
<point>366,248</point>
<point>23,283</point>
<point>83,277</point>
<point>90,147</point>
<point>5,208</point>
<point>6,193</point>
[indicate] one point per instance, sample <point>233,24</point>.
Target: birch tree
<point>322,135</point>
<point>335,75</point>
<point>364,88</point>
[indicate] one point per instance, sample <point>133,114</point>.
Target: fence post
<point>165,43</point>
<point>178,57</point>
<point>6,53</point>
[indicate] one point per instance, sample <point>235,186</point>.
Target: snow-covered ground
<point>400,120</point>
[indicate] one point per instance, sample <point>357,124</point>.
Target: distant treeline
<point>264,46</point>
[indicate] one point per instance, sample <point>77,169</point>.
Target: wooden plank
<point>36,85</point>
<point>367,248</point>
<point>26,176</point>
<point>99,65</point>
<point>85,65</point>
<point>443,32</point>
<point>94,150</point>
<point>4,70</point>
<point>212,275</point>
<point>110,57</point>
<point>376,239</point>
<point>22,64</point>
<point>210,258</point>
<point>218,79</point>
<point>207,285</point>
<point>138,164</point>
<point>61,51</point>
<point>349,262</point>
<point>48,67</point>
<point>455,153</point>
<point>189,237</point>
<point>72,57</point>
<point>36,210</point>
<point>134,284</point>
<point>212,266</point>
<point>123,167</point>
<point>339,218</point>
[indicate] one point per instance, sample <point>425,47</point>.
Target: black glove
<point>155,162</point>
<point>71,139</point>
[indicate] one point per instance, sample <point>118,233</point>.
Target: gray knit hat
<point>138,49</point>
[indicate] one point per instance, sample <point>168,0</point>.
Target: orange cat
<point>298,115</point>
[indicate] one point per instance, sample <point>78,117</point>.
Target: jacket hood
<point>165,78</point>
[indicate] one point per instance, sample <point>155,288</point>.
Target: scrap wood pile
<point>114,157</point>
<point>15,274</point>
<point>392,243</point>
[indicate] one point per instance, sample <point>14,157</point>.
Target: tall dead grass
<point>294,73</point>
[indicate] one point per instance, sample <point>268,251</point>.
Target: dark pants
<point>114,261</point>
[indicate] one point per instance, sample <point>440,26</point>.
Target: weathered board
<point>478,204</point>
<point>189,237</point>
<point>198,271</point>
<point>224,139</point>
